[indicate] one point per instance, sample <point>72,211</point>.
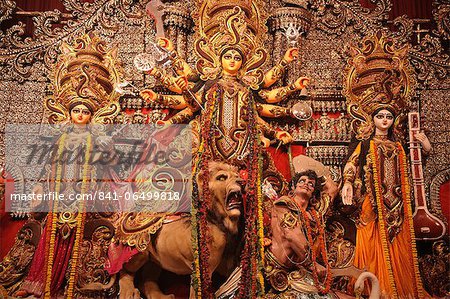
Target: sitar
<point>426,225</point>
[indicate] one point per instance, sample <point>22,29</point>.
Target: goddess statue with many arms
<point>229,88</point>
<point>225,99</point>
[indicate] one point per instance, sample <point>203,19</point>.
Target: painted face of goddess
<point>80,115</point>
<point>383,120</point>
<point>231,62</point>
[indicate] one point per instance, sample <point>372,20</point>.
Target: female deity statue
<point>83,95</point>
<point>226,97</point>
<point>376,177</point>
<point>229,93</point>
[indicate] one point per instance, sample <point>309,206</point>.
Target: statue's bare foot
<point>127,289</point>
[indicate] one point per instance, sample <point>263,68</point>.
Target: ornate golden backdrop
<point>31,39</point>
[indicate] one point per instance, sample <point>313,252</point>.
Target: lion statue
<point>171,246</point>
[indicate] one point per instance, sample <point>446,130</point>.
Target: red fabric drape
<point>412,8</point>
<point>416,9</point>
<point>33,6</point>
<point>8,226</point>
<point>281,158</point>
<point>444,196</point>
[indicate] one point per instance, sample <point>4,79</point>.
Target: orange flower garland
<point>80,221</point>
<point>196,279</point>
<point>202,280</point>
<point>322,245</point>
<point>53,218</point>
<point>250,285</point>
<point>377,185</point>
<point>381,210</point>
<point>260,229</point>
<point>408,210</point>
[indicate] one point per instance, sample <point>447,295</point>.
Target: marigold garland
<point>202,280</point>
<point>196,283</point>
<point>383,231</point>
<point>324,254</point>
<point>252,279</point>
<point>196,279</point>
<point>80,220</point>
<point>315,216</point>
<point>408,211</point>
<point>260,229</point>
<point>53,217</point>
<point>250,264</point>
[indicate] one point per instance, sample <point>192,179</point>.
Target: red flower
<point>244,175</point>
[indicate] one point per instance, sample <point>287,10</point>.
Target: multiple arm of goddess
<point>187,105</point>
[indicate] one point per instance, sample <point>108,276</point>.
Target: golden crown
<point>378,76</point>
<point>86,73</point>
<point>223,25</point>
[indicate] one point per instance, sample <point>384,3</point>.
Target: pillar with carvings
<point>178,25</point>
<point>292,13</point>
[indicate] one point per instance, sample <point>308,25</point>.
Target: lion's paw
<point>131,293</point>
<point>127,289</point>
<point>158,295</point>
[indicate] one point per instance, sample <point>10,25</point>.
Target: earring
<point>291,193</point>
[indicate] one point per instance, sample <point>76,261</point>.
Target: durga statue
<point>228,88</point>
<point>265,240</point>
<point>225,99</point>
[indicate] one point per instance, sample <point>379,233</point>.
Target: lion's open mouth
<point>234,200</point>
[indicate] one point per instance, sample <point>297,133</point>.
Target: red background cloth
<point>8,226</point>
<point>444,195</point>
